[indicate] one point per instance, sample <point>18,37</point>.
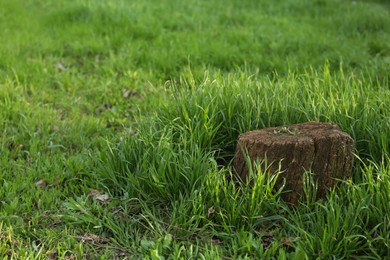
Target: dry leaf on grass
<point>92,238</point>
<point>127,93</point>
<point>45,184</point>
<point>41,184</point>
<point>104,198</point>
<point>210,211</point>
<point>52,254</point>
<point>60,66</point>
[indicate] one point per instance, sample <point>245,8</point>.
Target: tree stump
<point>321,148</point>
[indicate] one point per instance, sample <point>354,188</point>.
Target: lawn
<point>119,120</point>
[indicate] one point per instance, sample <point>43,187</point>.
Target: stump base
<point>321,148</point>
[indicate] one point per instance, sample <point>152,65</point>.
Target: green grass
<point>118,123</point>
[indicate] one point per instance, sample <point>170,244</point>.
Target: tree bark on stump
<point>321,148</point>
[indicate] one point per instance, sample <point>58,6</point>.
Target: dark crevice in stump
<point>321,148</point>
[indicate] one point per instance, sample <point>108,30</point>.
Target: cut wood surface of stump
<point>321,148</point>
